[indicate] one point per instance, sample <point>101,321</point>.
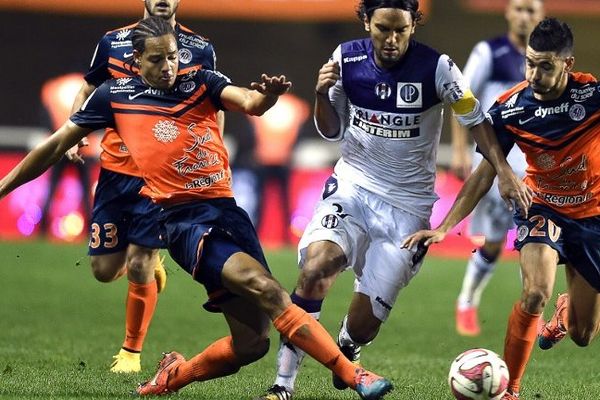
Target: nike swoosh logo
<point>521,121</point>
<point>127,55</point>
<point>133,96</point>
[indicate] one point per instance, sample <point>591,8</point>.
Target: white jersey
<point>391,120</point>
<point>493,67</point>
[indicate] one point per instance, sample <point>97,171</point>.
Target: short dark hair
<point>148,28</point>
<point>552,35</point>
<point>366,8</point>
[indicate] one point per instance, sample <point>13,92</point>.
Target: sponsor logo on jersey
<point>206,181</point>
<point>123,33</point>
<point>165,131</point>
<point>120,43</point>
<point>582,94</point>
<point>409,95</point>
<point>543,112</point>
<point>185,56</point>
<point>354,59</point>
<point>456,92</point>
<point>545,161</point>
<point>187,87</point>
<point>577,112</point>
<point>192,41</point>
<point>510,103</point>
<point>378,130</point>
<point>565,200</point>
<point>127,55</point>
<point>389,120</point>
<point>526,120</point>
<point>123,81</point>
<point>383,91</point>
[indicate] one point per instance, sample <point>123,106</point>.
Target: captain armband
<point>466,104</point>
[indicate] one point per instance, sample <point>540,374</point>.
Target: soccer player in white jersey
<point>382,97</point>
<point>494,66</point>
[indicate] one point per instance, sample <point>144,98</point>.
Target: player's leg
<point>538,270</point>
<point>245,277</point>
<point>334,235</point>
<point>248,342</point>
<point>322,262</point>
<point>386,269</point>
<point>492,220</point>
<point>583,314</point>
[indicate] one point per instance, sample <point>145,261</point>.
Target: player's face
<point>390,30</point>
<point>161,8</point>
<point>159,62</point>
<point>523,16</point>
<point>547,73</point>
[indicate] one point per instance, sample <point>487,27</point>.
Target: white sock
<point>344,338</point>
<point>289,359</point>
<point>478,274</point>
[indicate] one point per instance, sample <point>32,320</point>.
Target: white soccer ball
<point>478,374</point>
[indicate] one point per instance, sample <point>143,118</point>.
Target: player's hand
<point>461,164</point>
<point>425,236</point>
<point>272,85</point>
<point>329,74</point>
<point>512,189</point>
<point>73,153</point>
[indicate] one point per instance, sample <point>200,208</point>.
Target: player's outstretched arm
<point>510,186</point>
<point>262,96</point>
<point>85,91</point>
<point>326,117</point>
<point>474,188</point>
<point>43,156</point>
<point>461,162</point>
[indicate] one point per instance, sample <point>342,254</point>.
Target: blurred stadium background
<point>43,40</point>
<point>54,336</point>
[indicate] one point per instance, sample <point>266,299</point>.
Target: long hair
<point>366,8</point>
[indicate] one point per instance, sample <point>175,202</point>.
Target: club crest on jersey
<point>545,161</point>
<point>187,87</point>
<point>409,95</point>
<point>165,131</point>
<point>185,56</point>
<point>383,90</point>
<point>522,232</point>
<point>577,112</point>
<point>330,221</point>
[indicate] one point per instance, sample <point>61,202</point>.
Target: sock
<point>309,335</point>
<point>215,361</point>
<point>344,338</point>
<point>289,357</point>
<point>518,344</point>
<point>139,309</point>
<point>479,272</point>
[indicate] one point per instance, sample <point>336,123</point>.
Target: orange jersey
<point>113,59</point>
<point>561,141</point>
<point>172,136</point>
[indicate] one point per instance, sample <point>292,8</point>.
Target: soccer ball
<point>478,374</point>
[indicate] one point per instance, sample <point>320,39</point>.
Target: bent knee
<point>535,299</point>
<point>252,351</point>
<point>105,271</point>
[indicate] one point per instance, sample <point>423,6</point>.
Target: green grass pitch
<point>59,328</point>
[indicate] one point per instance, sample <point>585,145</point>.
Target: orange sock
<point>308,334</point>
<point>215,361</point>
<point>518,344</point>
<point>139,309</point>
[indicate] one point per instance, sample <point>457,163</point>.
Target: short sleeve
<point>96,112</point>
<point>98,72</point>
<point>215,83</point>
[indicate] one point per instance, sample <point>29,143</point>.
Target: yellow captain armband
<point>465,105</point>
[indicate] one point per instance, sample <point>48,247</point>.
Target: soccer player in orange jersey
<point>124,237</point>
<point>554,118</point>
<point>169,124</point>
